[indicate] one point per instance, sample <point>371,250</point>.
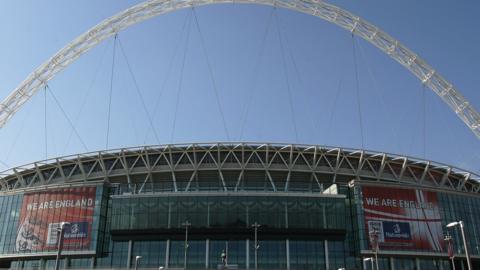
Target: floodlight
<point>451,224</point>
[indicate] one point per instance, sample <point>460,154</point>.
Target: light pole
<point>453,224</point>
<point>186,224</point>
<point>448,239</point>
<point>60,232</point>
<point>374,242</point>
<point>369,259</point>
<point>255,227</point>
<point>136,261</point>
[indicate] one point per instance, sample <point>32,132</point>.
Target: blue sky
<point>310,72</point>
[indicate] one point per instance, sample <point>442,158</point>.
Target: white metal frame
<point>148,9</point>
<point>324,165</point>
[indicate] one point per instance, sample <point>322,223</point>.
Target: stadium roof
<point>180,165</point>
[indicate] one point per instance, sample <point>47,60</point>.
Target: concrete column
<point>66,262</point>
<point>207,250</point>
<point>167,254</point>
<point>129,259</point>
<point>248,253</point>
<point>287,249</point>
<point>208,215</point>
<point>169,215</point>
<point>327,261</point>
<point>324,215</point>
<point>286,216</point>
<point>42,264</point>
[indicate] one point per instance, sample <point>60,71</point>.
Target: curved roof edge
<point>352,164</point>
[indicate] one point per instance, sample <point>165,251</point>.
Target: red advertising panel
<point>41,215</point>
<point>402,218</point>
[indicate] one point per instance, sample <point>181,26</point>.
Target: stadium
<point>238,205</point>
<point>314,206</point>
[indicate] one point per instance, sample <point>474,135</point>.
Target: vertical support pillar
<point>327,261</point>
<point>42,263</point>
<point>66,262</point>
<point>207,254</point>
<point>392,263</point>
<point>129,258</point>
<point>169,215</point>
<point>286,216</point>
<point>167,254</point>
<point>208,215</point>
<point>324,215</point>
<point>417,263</point>
<point>247,246</point>
<point>287,251</point>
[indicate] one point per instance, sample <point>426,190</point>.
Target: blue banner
<point>396,230</point>
<point>76,230</point>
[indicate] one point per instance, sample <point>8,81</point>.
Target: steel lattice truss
<point>233,167</point>
<point>427,75</point>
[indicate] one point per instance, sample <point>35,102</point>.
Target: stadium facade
<point>315,206</point>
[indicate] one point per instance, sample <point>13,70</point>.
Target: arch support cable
<point>331,13</point>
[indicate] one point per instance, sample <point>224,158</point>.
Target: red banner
<point>403,218</point>
<point>42,213</point>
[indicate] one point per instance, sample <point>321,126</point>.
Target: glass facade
<point>9,219</point>
<point>222,224</point>
<point>305,254</point>
<point>236,211</point>
<point>455,207</point>
<point>236,251</point>
<point>207,254</point>
<point>298,231</point>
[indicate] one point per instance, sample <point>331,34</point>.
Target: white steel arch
<point>151,8</point>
